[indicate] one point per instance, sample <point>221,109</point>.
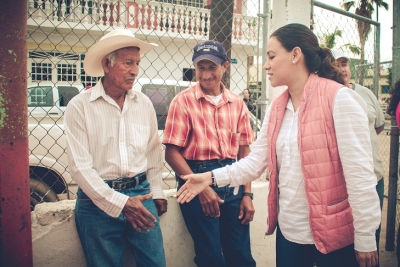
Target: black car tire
<point>41,192</point>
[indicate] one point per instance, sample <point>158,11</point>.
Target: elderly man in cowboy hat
<point>115,157</point>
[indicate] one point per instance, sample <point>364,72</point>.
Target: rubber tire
<point>41,192</point>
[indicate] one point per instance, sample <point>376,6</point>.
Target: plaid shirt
<point>207,131</point>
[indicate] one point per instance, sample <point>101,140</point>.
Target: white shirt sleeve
<point>81,164</point>
<point>380,118</point>
<point>250,167</point>
<point>355,151</point>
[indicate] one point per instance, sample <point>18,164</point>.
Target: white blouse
<point>352,133</point>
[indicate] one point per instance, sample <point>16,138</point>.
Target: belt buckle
<point>115,184</point>
<point>119,184</point>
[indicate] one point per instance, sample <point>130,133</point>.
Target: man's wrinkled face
<point>344,67</point>
<point>124,71</point>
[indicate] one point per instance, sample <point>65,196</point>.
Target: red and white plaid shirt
<point>207,131</point>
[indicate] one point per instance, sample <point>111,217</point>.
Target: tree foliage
<point>364,8</point>
<point>329,41</point>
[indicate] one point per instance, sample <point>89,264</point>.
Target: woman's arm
<point>352,133</point>
<point>242,172</point>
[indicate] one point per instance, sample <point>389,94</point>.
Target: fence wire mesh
<point>60,32</point>
<point>341,32</point>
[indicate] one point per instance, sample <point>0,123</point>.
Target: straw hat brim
<point>92,62</point>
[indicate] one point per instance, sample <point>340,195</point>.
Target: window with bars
<point>66,72</point>
<point>87,80</point>
<point>41,71</point>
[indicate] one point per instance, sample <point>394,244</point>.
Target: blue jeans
<point>290,254</point>
<point>223,241</point>
<point>103,237</point>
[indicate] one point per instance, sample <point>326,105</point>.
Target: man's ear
<point>225,65</point>
<point>106,64</point>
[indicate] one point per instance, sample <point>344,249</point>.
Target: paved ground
<point>387,258</point>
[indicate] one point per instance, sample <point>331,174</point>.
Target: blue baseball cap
<point>209,50</point>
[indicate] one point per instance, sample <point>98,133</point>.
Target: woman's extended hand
<point>195,184</point>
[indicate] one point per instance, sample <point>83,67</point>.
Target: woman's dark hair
<point>394,99</point>
<point>317,59</point>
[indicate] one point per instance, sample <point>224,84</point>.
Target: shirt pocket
<point>139,136</point>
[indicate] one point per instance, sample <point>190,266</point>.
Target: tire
<point>41,192</point>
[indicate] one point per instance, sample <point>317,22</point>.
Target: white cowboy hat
<point>112,41</point>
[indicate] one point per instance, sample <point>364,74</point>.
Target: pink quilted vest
<point>330,214</point>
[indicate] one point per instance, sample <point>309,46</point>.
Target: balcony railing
<point>151,17</point>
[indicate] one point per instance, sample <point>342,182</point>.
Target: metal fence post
<point>264,101</point>
<point>394,140</point>
<point>377,60</point>
<point>15,216</point>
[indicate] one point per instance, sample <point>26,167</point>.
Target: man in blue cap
<point>208,127</point>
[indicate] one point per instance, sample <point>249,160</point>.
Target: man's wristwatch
<point>248,194</point>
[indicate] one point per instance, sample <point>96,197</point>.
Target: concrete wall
<point>56,243</point>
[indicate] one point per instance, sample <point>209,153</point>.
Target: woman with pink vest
<point>315,143</point>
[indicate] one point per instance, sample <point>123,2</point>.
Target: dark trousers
<point>223,241</point>
<point>380,188</point>
<point>290,254</point>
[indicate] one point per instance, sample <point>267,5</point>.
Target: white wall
<point>285,12</point>
<point>56,243</point>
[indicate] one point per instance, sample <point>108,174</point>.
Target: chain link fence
<point>338,31</point>
<point>61,31</point>
<point>342,32</point>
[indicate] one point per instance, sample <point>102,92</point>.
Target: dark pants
<point>290,254</point>
<point>380,187</point>
<point>223,241</point>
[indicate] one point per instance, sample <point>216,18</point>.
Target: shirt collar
<point>226,94</point>
<point>98,91</point>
